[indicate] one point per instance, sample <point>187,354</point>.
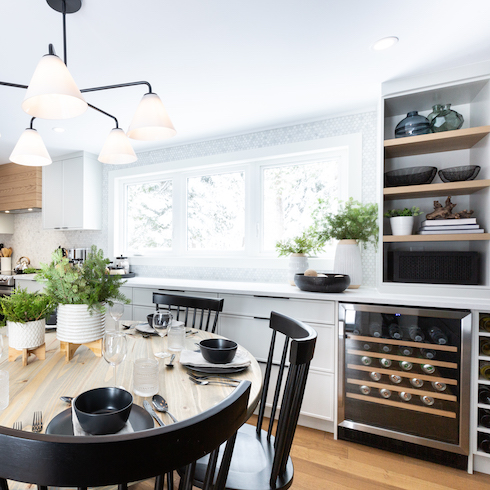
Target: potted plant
<point>81,292</point>
<point>351,224</point>
<point>25,314</point>
<point>297,249</point>
<point>401,220</point>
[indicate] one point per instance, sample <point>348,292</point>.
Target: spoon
<point>205,382</point>
<point>66,399</point>
<point>170,365</point>
<point>162,406</point>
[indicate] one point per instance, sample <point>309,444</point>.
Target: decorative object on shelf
<point>449,226</point>
<point>410,176</point>
<point>446,119</point>
<point>323,282</point>
<point>436,109</point>
<point>25,314</point>
<point>459,174</point>
<point>413,125</point>
<point>297,248</point>
<point>401,220</point>
<point>53,94</point>
<point>446,211</point>
<point>81,291</point>
<point>353,223</point>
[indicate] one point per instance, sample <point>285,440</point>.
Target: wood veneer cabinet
<point>20,187</point>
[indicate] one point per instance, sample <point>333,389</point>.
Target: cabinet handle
<point>273,297</point>
<point>57,227</point>
<point>172,290</point>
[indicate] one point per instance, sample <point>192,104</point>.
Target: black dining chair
<point>261,460</point>
<point>72,461</point>
<point>194,311</point>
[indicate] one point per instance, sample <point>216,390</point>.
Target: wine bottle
<point>438,385</point>
<point>428,353</point>
<point>395,332</point>
<point>405,350</point>
<point>375,329</point>
<point>366,346</point>
<point>375,376</point>
<point>428,400</point>
<point>485,370</point>
<point>485,347</point>
<point>394,378</point>
<point>484,418</point>
<point>387,348</point>
<point>438,336</point>
<point>366,360</point>
<point>365,390</point>
<point>385,393</point>
<point>405,396</point>
<point>416,333</point>
<point>416,383</point>
<point>386,363</point>
<point>484,395</point>
<point>484,443</point>
<point>405,365</point>
<point>428,368</point>
<point>485,323</point>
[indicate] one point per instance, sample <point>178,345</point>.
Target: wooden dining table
<point>39,385</point>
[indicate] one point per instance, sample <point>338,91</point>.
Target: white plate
<point>145,327</point>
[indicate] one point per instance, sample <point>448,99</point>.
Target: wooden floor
<point>320,463</point>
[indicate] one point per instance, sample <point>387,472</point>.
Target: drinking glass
<point>114,349</point>
<point>176,337</point>
<point>161,321</point>
<point>116,311</point>
<point>145,377</point>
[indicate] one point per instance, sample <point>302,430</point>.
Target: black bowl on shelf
<point>218,351</point>
<point>327,283</point>
<point>459,174</point>
<point>103,410</point>
<point>410,176</point>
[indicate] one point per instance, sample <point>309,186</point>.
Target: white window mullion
<point>179,235</point>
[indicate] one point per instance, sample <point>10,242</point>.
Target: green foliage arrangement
<point>22,306</point>
<point>304,244</point>
<point>393,213</point>
<point>85,284</point>
<point>353,221</point>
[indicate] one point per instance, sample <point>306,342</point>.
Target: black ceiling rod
<point>64,32</point>
<point>105,113</point>
<point>119,85</point>
<point>7,84</point>
<point>32,120</point>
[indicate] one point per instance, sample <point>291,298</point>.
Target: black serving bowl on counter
<point>218,351</point>
<point>103,410</point>
<point>327,283</point>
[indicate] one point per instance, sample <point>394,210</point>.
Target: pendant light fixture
<point>53,94</point>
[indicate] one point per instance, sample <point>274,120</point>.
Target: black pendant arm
<point>103,112</point>
<point>119,85</point>
<point>64,32</point>
<point>32,120</point>
<point>16,85</point>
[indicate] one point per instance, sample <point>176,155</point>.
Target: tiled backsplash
<point>32,241</point>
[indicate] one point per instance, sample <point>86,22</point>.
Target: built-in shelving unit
<point>482,383</point>
<point>435,190</point>
<point>453,237</point>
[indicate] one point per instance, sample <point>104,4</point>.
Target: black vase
<point>413,125</point>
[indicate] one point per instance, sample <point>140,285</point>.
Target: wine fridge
<point>404,381</point>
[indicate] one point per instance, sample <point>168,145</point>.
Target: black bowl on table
<point>218,351</point>
<point>410,176</point>
<point>326,283</point>
<point>149,319</point>
<point>459,174</point>
<point>103,410</point>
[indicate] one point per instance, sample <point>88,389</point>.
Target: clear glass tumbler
<point>145,377</point>
<point>176,336</point>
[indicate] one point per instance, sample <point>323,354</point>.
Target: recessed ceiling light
<point>59,130</point>
<point>385,43</point>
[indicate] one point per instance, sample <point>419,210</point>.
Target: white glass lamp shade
<point>150,121</point>
<point>52,93</point>
<point>117,149</point>
<point>30,150</point>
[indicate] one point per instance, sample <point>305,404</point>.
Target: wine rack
<point>483,438</point>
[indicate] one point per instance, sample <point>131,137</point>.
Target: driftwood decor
<point>445,212</point>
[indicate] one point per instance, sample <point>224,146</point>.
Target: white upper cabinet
<point>72,193</point>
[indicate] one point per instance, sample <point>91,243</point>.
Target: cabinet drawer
<point>144,296</point>
<point>140,312</point>
<point>324,357</point>
<point>128,292</point>
<point>261,306</point>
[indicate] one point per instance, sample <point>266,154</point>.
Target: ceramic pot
<point>298,263</point>
<point>401,225</point>
<point>78,325</point>
<point>348,261</point>
<point>28,335</point>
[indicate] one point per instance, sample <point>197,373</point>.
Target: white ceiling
<point>224,67</point>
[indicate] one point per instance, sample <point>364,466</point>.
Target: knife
<point>152,412</point>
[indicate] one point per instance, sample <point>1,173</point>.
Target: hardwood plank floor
<point>321,463</point>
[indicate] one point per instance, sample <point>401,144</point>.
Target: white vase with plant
<point>297,249</point>
<point>354,223</point>
<point>402,220</point>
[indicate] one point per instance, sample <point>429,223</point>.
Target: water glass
<point>176,336</point>
<point>4,389</point>
<point>145,377</point>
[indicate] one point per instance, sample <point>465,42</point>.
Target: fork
<point>204,382</point>
<point>222,378</point>
<point>17,425</point>
<point>37,422</point>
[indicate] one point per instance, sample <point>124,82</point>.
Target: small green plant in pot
<point>297,249</point>
<point>401,220</point>
<point>25,315</point>
<point>81,292</point>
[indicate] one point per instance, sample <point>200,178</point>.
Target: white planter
<point>401,225</point>
<point>348,261</point>
<point>76,325</point>
<point>298,263</point>
<point>27,335</point>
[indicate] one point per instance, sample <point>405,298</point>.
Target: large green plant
<point>85,284</point>
<point>22,306</point>
<point>305,243</point>
<point>352,221</point>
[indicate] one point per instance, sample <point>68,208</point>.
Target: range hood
<point>20,188</point>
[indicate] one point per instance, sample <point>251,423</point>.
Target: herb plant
<point>306,243</point>
<point>23,306</point>
<point>393,213</point>
<point>352,221</point>
<point>85,284</point>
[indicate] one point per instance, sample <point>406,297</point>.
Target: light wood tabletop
<point>39,385</point>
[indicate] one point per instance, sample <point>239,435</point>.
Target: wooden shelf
<point>435,190</point>
<point>461,139</point>
<point>453,237</point>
